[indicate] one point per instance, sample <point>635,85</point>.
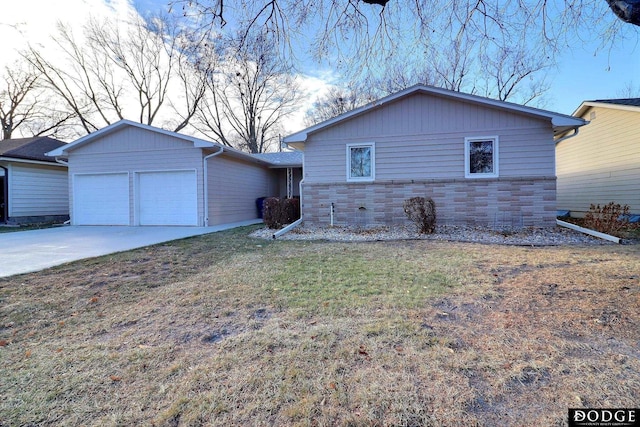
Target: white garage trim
<point>101,199</point>
<point>166,197</point>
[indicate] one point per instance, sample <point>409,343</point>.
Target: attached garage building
<point>133,174</point>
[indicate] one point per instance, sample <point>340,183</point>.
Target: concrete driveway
<point>28,251</point>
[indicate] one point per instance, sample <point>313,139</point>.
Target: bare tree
<point>352,29</point>
<point>25,107</point>
<point>335,102</point>
<point>114,71</point>
<point>248,98</point>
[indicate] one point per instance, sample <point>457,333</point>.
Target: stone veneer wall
<point>496,203</point>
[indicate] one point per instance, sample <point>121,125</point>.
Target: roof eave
<point>558,120</point>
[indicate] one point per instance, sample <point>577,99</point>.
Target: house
<point>133,174</point>
<point>33,187</point>
<point>602,163</point>
<point>482,161</point>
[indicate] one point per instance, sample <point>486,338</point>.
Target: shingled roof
<point>634,102</point>
<point>30,148</point>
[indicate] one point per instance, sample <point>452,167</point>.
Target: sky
<point>583,73</point>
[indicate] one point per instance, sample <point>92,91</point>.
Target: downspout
<point>5,192</point>
<point>205,180</point>
<point>575,133</point>
<point>295,223</point>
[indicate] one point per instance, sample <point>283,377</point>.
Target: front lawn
<point>227,330</point>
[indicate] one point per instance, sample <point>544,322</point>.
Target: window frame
<point>372,147</point>
<point>494,158</point>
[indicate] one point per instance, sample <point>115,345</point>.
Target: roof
<point>561,122</point>
<point>629,104</point>
<point>282,159</point>
<point>210,146</point>
<point>623,101</point>
<point>30,148</point>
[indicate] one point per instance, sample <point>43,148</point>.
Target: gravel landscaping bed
<point>526,236</point>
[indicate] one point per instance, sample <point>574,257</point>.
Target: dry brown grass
<point>227,330</point>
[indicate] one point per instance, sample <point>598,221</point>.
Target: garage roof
<point>286,159</point>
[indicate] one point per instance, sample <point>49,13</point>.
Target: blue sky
<point>583,72</point>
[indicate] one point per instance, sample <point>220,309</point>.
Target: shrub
<point>422,212</point>
<point>609,218</point>
<point>272,212</point>
<point>278,212</point>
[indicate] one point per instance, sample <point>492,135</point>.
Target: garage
<point>137,175</point>
<point>101,199</point>
<point>167,197</point>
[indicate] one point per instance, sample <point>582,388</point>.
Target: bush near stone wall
<point>278,212</point>
<point>422,212</point>
<point>610,218</point>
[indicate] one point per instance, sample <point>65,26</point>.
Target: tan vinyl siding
<point>38,190</point>
<point>422,137</point>
<point>137,150</point>
<point>602,163</point>
<point>233,188</point>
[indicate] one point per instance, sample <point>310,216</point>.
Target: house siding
<point>419,151</point>
<point>131,150</point>
<point>233,187</point>
<point>602,163</point>
<point>37,191</point>
<point>422,137</point>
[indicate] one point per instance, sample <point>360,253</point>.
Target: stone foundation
<point>496,203</point>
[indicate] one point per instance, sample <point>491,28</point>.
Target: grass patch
<point>223,329</point>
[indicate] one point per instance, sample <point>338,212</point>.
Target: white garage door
<point>167,198</point>
<point>101,199</point>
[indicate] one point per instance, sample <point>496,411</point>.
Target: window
<point>360,162</point>
<point>481,157</point>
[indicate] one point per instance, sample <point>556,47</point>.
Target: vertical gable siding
<point>233,188</point>
<point>133,150</point>
<point>422,137</point>
<point>38,190</point>
<point>602,163</point>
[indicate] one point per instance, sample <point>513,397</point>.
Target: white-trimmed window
<point>361,162</point>
<point>481,157</point>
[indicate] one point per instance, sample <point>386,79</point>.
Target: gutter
<point>295,223</point>
<point>205,180</point>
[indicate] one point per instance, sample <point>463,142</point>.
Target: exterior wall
<point>602,163</point>
<point>234,186</point>
<point>497,203</point>
<point>419,150</point>
<point>37,192</point>
<point>132,149</point>
<point>422,137</point>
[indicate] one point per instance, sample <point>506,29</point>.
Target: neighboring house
<point>602,163</point>
<point>484,162</point>
<point>133,174</point>
<point>33,187</point>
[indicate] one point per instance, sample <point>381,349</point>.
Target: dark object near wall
<point>422,212</point>
<point>627,10</point>
<point>278,212</point>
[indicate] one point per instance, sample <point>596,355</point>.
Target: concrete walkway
<point>34,250</point>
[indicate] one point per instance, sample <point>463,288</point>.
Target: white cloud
<point>34,21</point>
